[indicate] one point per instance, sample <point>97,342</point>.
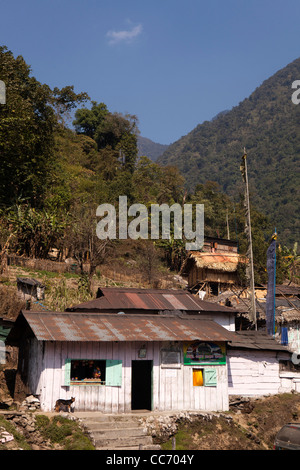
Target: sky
<point>174,64</point>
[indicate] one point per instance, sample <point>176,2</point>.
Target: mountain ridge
<point>267,125</point>
<point>150,149</point>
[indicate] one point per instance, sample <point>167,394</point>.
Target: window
<point>93,372</point>
<point>204,377</point>
<point>198,377</point>
<point>88,371</point>
<point>288,366</point>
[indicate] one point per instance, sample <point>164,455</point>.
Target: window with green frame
<point>204,377</point>
<point>93,372</point>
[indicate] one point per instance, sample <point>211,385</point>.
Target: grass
<point>18,438</point>
<point>57,430</point>
<point>63,431</point>
<point>216,434</point>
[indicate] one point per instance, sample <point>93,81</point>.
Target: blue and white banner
<point>270,300</point>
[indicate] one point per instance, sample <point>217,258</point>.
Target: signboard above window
<point>204,353</point>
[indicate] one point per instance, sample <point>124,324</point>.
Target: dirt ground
<point>251,425</point>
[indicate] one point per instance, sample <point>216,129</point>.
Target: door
<point>141,385</point>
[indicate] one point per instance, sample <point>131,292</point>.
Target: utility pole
<point>250,267</point>
<point>227,224</point>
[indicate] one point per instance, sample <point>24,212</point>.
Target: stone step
<point>93,424</point>
<point>125,442</point>
<point>139,447</point>
<point>115,433</point>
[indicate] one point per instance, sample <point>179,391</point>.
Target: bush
<point>63,431</point>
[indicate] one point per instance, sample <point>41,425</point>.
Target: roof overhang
<point>68,326</point>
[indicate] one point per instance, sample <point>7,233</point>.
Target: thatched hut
<point>215,268</point>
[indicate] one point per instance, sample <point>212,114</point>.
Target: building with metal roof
<point>129,300</point>
<point>93,327</point>
<point>122,362</point>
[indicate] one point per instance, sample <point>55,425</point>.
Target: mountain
<point>267,124</point>
<point>150,149</point>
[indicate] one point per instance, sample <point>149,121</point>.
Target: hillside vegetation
<point>153,150</point>
<point>54,176</point>
<point>251,426</point>
<point>267,125</point>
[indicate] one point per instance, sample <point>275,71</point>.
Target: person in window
<point>97,373</point>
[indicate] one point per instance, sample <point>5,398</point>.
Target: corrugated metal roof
<point>259,340</point>
<point>50,326</point>
<point>121,299</point>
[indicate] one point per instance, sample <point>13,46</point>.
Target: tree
<point>83,244</point>
<point>27,123</point>
<point>87,120</point>
<point>34,231</point>
<point>65,100</point>
<point>290,262</point>
<point>110,130</point>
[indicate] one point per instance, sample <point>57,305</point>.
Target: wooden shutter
<point>210,377</point>
<point>113,373</point>
<point>67,372</point>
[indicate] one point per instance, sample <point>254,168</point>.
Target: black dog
<point>64,405</point>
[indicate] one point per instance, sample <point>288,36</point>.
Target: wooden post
<point>249,236</point>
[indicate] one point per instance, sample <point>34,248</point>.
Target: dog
<point>64,405</point>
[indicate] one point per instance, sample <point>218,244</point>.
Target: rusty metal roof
<point>51,326</point>
<point>122,299</point>
<point>250,339</point>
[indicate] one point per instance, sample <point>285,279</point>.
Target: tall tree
<point>65,100</point>
<point>27,124</point>
<point>110,131</point>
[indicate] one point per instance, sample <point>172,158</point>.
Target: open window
<point>93,372</point>
<point>204,377</point>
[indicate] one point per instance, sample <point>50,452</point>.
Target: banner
<point>270,300</point>
<point>204,353</point>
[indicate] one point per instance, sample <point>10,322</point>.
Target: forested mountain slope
<point>267,124</point>
<point>150,149</point>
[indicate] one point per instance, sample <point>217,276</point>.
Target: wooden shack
<point>116,363</point>
<point>259,365</point>
<point>213,269</point>
<point>30,289</point>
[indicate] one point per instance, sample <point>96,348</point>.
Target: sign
<point>204,353</point>
<point>170,359</point>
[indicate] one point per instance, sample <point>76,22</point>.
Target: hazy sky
<point>172,63</point>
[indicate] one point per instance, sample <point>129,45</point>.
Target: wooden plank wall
<point>172,388</point>
<point>252,373</point>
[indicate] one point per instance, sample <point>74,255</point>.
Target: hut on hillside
<point>214,269</point>
<point>30,289</point>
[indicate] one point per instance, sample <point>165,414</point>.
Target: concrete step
<point>110,424</point>
<point>123,442</point>
<point>115,433</point>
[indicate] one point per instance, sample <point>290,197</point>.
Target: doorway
<point>141,385</point>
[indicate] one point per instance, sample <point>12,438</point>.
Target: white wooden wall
<point>250,374</point>
<point>172,388</point>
